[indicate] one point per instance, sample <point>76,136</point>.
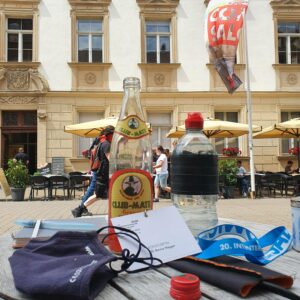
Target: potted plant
<point>231,151</point>
<point>294,151</point>
<point>227,173</point>
<point>17,177</point>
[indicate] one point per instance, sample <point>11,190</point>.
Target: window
<point>161,123</point>
<point>19,118</point>
<point>90,41</point>
<point>19,39</point>
<point>85,143</point>
<point>158,37</point>
<point>226,142</point>
<point>289,42</point>
<point>286,144</point>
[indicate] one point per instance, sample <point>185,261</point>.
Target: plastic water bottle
<point>194,176</point>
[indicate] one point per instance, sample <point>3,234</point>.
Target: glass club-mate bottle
<point>130,189</point>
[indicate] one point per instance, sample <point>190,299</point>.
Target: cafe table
<point>155,284</point>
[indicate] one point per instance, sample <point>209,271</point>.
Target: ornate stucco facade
<point>59,88</point>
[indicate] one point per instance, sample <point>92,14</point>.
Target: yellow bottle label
<point>132,127</point>
<point>130,192</point>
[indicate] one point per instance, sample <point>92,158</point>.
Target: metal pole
<point>298,145</point>
<point>249,113</point>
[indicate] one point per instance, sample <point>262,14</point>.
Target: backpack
<point>94,159</point>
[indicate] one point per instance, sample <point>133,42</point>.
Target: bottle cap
<point>194,120</point>
<point>185,287</point>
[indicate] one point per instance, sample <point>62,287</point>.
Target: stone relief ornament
<point>39,80</point>
<point>90,78</point>
<point>2,73</point>
<point>24,79</point>
<point>159,79</point>
<point>292,79</point>
<point>17,79</point>
<point>18,100</point>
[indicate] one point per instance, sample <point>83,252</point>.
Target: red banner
<point>224,21</point>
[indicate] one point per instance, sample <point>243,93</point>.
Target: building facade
<point>63,62</point>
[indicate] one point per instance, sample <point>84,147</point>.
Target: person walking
<point>161,168</point>
<point>94,164</point>
<point>242,180</point>
<point>102,173</point>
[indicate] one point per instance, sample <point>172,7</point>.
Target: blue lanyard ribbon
<point>277,241</point>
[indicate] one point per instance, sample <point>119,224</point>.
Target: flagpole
<point>249,112</point>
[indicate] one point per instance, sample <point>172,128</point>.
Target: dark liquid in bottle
<point>194,174</point>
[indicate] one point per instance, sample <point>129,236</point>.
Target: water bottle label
<point>193,174</point>
<point>132,127</point>
<point>130,192</point>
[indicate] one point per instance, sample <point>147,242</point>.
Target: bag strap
<point>95,156</point>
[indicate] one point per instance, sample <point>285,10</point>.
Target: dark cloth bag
<point>233,275</point>
<point>70,265</point>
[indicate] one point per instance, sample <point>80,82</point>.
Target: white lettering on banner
<point>213,16</point>
<point>79,271</point>
<point>221,14</point>
<point>89,250</point>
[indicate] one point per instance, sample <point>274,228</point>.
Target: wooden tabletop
<point>155,284</point>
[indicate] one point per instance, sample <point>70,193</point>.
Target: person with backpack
<point>101,174</point>
<point>94,165</point>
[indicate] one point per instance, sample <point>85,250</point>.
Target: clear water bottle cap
<point>194,120</point>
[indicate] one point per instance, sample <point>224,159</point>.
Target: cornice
<point>90,2</point>
<point>90,5</point>
<point>92,66</point>
<point>19,4</point>
<point>194,94</point>
<point>289,67</point>
<point>158,6</point>
<point>285,4</point>
<point>161,66</point>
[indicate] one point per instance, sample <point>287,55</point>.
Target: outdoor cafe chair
<point>37,183</point>
<point>258,179</point>
<point>293,184</point>
<point>78,182</point>
<point>273,182</point>
<point>58,182</point>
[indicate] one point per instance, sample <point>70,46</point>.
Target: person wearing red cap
<point>162,173</point>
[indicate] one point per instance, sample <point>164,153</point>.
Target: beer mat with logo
<point>236,276</point>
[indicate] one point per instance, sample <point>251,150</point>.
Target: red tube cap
<point>194,120</point>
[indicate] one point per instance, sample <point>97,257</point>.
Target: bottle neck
<point>191,130</point>
<point>131,104</point>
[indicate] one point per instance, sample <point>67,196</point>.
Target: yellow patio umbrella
<point>288,129</point>
<point>92,129</point>
<point>216,129</point>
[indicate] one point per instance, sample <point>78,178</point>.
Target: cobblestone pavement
<point>275,211</point>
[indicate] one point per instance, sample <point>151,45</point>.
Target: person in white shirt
<point>242,180</point>
<point>161,167</point>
